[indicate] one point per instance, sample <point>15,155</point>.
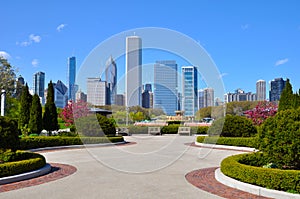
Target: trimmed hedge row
<point>30,162</point>
<point>43,141</point>
<point>282,180</point>
<point>231,141</point>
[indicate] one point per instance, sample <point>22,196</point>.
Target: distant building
<point>189,90</point>
<point>206,98</point>
<point>60,94</point>
<point>21,80</point>
<point>146,96</point>
<point>261,90</point>
<point>96,91</point>
<point>120,100</point>
<point>39,85</point>
<point>81,96</point>
<point>72,88</point>
<point>111,79</point>
<point>276,87</point>
<point>219,102</point>
<point>133,76</point>
<point>240,95</point>
<point>165,86</point>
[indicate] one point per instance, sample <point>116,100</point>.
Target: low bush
<point>170,129</point>
<point>233,126</point>
<point>20,162</point>
<point>9,134</point>
<point>41,141</point>
<point>202,129</point>
<point>283,180</point>
<point>138,129</point>
<point>231,141</point>
<point>174,122</point>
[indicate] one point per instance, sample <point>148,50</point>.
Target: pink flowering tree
<point>74,110</point>
<point>261,112</point>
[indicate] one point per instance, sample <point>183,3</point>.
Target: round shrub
<point>9,135</point>
<point>279,139</point>
<point>202,130</point>
<point>233,126</point>
<point>170,129</point>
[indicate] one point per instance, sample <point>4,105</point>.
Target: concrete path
<point>155,167</point>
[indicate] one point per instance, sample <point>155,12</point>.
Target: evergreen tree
<point>286,97</point>
<point>35,122</point>
<point>26,100</point>
<point>50,122</point>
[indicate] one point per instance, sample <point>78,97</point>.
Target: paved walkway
<point>155,167</point>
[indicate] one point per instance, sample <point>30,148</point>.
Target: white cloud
<point>281,61</point>
<point>245,26</point>
<point>60,27</point>
<point>222,75</point>
<point>31,39</point>
<point>4,55</point>
<point>35,38</point>
<point>35,62</point>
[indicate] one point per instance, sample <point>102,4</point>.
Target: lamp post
<point>3,96</point>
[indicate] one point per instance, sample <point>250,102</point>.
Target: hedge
<point>202,129</point>
<point>9,135</point>
<point>30,162</point>
<point>43,141</point>
<point>282,180</point>
<point>170,129</point>
<point>231,141</point>
<point>138,129</point>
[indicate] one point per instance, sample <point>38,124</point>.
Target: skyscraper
<point>39,85</point>
<point>189,90</point>
<point>206,97</point>
<point>96,91</point>
<point>111,79</point>
<point>165,86</point>
<point>146,96</point>
<point>60,94</point>
<point>133,77</point>
<point>72,88</point>
<point>261,90</point>
<point>276,87</point>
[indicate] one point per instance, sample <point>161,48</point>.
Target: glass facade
<point>39,85</point>
<point>165,86</point>
<point>72,88</point>
<point>276,86</point>
<point>190,90</point>
<point>111,79</point>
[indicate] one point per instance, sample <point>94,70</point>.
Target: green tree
<point>286,97</point>
<point>9,138</point>
<point>25,104</point>
<point>7,76</point>
<point>50,122</point>
<point>35,122</point>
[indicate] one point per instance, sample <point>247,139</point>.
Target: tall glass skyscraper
<point>189,90</point>
<point>72,88</point>
<point>39,85</point>
<point>111,79</point>
<point>276,87</point>
<point>133,76</point>
<point>165,86</point>
<point>261,90</point>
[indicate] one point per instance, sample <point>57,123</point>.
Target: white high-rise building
<point>133,77</point>
<point>96,91</point>
<point>261,90</point>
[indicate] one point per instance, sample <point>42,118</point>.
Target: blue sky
<point>247,40</point>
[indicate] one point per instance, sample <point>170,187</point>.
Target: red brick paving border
<point>205,179</point>
<point>57,171</point>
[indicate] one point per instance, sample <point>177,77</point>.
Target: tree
<point>286,97</point>
<point>73,111</point>
<point>7,76</point>
<point>35,122</point>
<point>261,112</point>
<point>50,122</point>
<point>25,105</point>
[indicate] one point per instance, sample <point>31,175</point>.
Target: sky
<point>247,40</point>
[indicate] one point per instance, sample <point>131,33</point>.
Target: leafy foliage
<point>279,138</point>
<point>286,97</point>
<point>7,76</point>
<point>25,105</point>
<point>261,112</point>
<point>283,180</point>
<point>233,126</point>
<point>230,141</point>
<point>35,121</point>
<point>50,122</point>
<point>9,136</point>
<point>170,129</point>
<point>74,110</point>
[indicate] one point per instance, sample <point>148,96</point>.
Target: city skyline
<point>263,45</point>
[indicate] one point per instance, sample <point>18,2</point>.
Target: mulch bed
<point>205,179</point>
<point>57,171</point>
